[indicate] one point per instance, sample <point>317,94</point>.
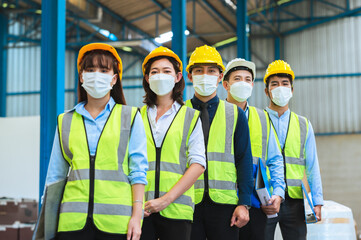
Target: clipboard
<point>262,186</point>
<point>310,215</point>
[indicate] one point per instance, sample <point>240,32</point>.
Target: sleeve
<point>312,168</point>
<point>196,148</point>
<point>243,159</point>
<point>275,165</point>
<point>58,167</point>
<point>138,162</point>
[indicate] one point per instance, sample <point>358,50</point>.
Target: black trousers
<point>212,221</point>
<point>256,227</point>
<point>291,219</point>
<point>157,227</point>
<point>89,232</point>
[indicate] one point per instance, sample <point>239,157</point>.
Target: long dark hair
<point>150,98</point>
<point>101,59</point>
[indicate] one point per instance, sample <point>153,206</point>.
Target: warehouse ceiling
<point>139,26</point>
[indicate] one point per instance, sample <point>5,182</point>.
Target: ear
<point>226,85</point>
<point>252,83</point>
<point>220,77</point>
<point>190,77</point>
<point>178,77</point>
<point>114,79</point>
<point>81,77</point>
<point>266,92</point>
<point>146,76</point>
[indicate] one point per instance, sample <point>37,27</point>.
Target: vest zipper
<point>91,186</point>
<point>157,172</point>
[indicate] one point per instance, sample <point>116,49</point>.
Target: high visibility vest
<point>97,186</point>
<point>221,169</point>
<point>294,154</point>
<point>168,163</point>
<point>259,127</point>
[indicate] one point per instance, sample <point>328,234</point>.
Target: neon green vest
<point>97,187</point>
<point>294,154</point>
<point>168,163</point>
<point>259,126</point>
<point>222,174</point>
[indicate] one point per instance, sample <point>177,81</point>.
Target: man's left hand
<point>240,216</point>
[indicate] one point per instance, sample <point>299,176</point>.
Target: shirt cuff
<point>279,192</point>
<point>200,162</point>
<point>138,177</point>
<point>317,201</point>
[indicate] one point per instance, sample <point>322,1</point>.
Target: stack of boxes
<point>17,218</point>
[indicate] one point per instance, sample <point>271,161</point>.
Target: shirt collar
<point>174,108</point>
<point>198,102</point>
<point>275,113</point>
<point>80,108</point>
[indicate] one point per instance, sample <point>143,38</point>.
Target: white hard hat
<point>240,62</point>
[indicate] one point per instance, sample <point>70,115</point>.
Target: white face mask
<point>205,84</point>
<point>281,96</point>
<point>97,84</point>
<point>161,84</point>
<point>241,91</point>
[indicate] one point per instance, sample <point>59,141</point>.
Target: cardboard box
<point>23,211</point>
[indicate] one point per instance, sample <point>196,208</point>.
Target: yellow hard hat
<point>205,54</point>
<point>161,51</point>
<point>100,46</point>
<point>278,66</point>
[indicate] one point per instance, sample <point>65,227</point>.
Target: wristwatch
<point>247,207</point>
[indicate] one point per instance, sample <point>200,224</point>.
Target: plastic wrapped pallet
<point>337,223</point>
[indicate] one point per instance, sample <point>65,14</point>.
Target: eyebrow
<point>241,76</point>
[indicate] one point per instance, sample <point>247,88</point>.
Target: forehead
<point>240,73</point>
<point>161,63</point>
<point>206,66</point>
<point>98,60</point>
<point>279,79</point>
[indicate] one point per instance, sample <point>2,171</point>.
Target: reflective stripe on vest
<point>111,195</point>
<point>173,162</point>
<point>294,150</point>
<point>220,156</point>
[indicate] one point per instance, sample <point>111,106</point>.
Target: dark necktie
<point>205,121</point>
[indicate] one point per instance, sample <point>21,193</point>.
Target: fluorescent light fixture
<point>108,34</point>
<point>231,4</point>
<point>166,37</point>
<point>127,49</point>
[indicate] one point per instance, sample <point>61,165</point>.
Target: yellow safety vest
<point>97,186</point>
<point>294,154</point>
<point>222,174</point>
<point>259,126</point>
<point>168,163</point>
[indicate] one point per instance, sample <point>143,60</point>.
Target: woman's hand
<point>155,205</point>
<point>134,228</point>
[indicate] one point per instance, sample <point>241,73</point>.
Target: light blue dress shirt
<point>274,163</point>
<point>138,163</point>
<point>312,167</point>
<point>195,148</point>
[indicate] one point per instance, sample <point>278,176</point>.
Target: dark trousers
<point>157,227</point>
<point>212,221</point>
<point>291,219</point>
<point>89,232</point>
<point>256,227</point>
